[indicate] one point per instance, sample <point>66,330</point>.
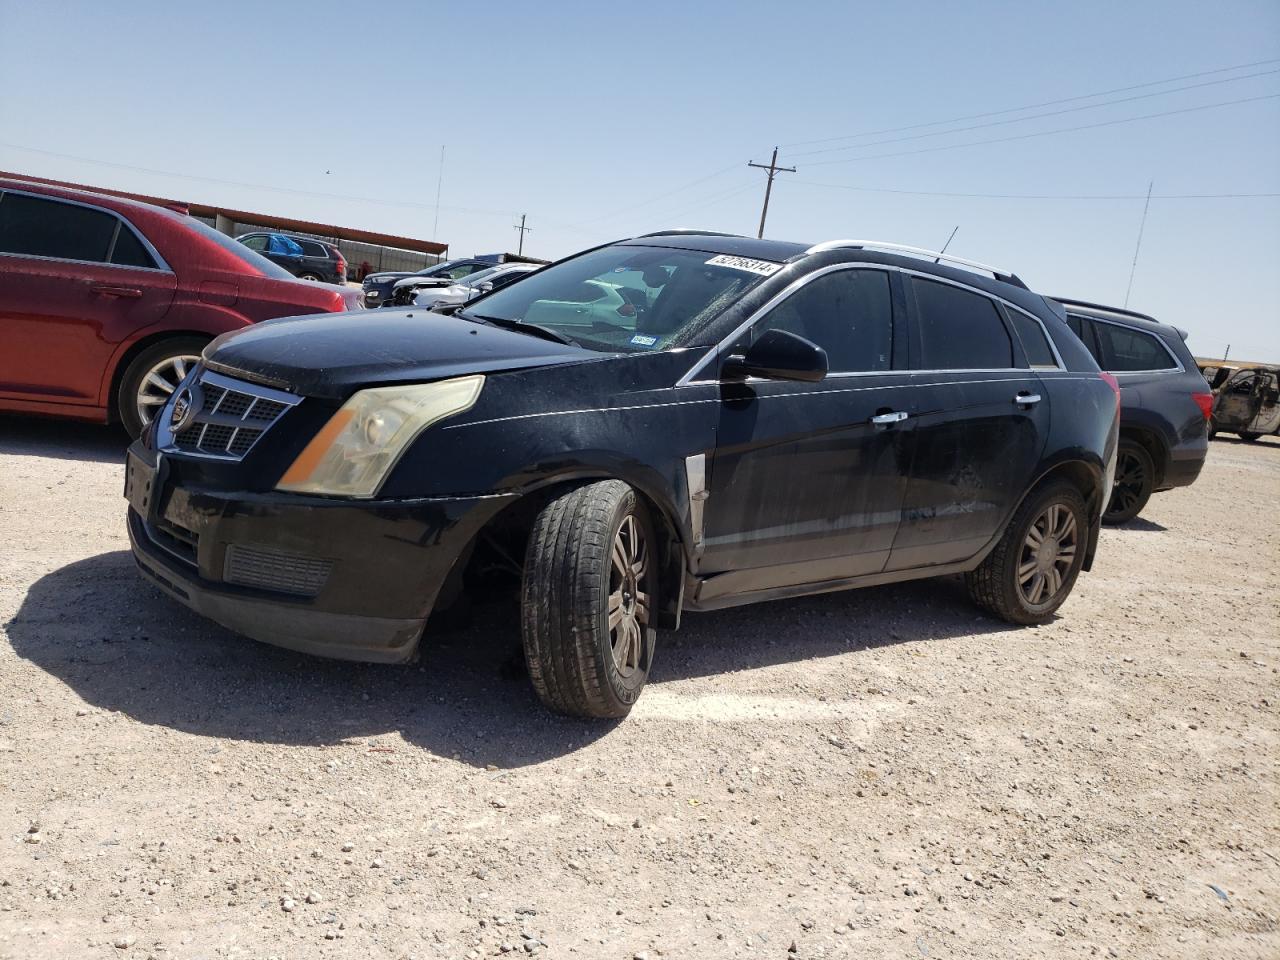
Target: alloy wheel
<point>628,601</point>
<point>159,383</point>
<point>1129,483</point>
<point>1048,551</point>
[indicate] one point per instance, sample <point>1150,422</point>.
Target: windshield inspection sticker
<point>762,267</point>
<point>641,340</point>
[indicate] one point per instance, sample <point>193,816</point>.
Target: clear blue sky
<point>601,120</point>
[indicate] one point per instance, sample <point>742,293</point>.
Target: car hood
<point>380,278</point>
<point>334,354</point>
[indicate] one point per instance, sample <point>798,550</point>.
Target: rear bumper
<point>1183,468</point>
<point>344,579</point>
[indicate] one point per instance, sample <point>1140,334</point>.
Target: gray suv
<point>1165,403</point>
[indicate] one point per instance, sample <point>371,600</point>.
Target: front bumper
<point>354,580</point>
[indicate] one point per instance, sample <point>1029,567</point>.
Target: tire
<point>1135,480</point>
<point>1248,437</point>
<point>169,360</point>
<point>996,583</point>
<point>314,277</point>
<point>575,566</point>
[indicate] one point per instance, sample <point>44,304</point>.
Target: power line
<point>1035,106</point>
<point>1037,116</point>
<point>1048,133</point>
<point>251,186</point>
<point>661,196</point>
<point>1041,196</point>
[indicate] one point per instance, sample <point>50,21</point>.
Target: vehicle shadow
<point>1142,523</point>
<point>61,439</point>
<point>1270,440</point>
<point>122,646</point>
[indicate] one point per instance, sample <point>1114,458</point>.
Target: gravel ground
<point>876,773</point>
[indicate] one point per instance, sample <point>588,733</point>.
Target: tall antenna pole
<point>435,227</point>
<point>1138,246</point>
<point>774,170</point>
<point>523,230</point>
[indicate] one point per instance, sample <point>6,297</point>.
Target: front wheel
<point>1135,478</point>
<point>1032,569</point>
<point>588,601</point>
<point>151,378</point>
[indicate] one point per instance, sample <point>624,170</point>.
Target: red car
<point>106,302</point>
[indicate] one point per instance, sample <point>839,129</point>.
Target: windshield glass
<point>453,269</point>
<point>255,260</point>
<point>626,299</point>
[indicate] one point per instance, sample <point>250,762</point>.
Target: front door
<point>75,281</point>
<point>980,430</point>
<point>804,487</point>
<point>1238,401</point>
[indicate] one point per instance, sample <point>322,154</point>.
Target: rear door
<point>982,422</point>
<point>75,281</point>
<point>804,486</point>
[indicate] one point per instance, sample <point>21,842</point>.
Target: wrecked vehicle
<point>1248,404</point>
<point>752,420</point>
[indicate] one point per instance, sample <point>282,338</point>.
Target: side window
<point>1125,349</point>
<point>1083,329</point>
<point>1034,342</point>
<point>257,242</point>
<point>465,270</point>
<point>848,313</point>
<point>39,227</point>
<point>129,251</point>
<point>959,330</point>
<point>312,249</point>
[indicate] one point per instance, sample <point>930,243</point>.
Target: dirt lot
<point>878,773</point>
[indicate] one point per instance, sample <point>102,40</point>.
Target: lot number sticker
<point>762,267</point>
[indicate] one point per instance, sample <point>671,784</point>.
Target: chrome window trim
<point>934,255</point>
<point>1177,364</point>
<point>688,380</point>
<point>162,265</point>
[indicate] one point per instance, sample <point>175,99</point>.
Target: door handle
<point>1026,398</point>
<point>115,290</point>
<point>884,419</point>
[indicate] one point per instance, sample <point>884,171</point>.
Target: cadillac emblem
<point>185,408</point>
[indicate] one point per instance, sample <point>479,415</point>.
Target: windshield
<point>231,245</point>
<point>479,277</point>
<point>626,299</point>
<point>453,269</point>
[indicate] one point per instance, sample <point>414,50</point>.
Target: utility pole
<point>523,230</point>
<point>1138,246</point>
<point>774,170</point>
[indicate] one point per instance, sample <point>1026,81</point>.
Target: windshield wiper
<point>532,329</point>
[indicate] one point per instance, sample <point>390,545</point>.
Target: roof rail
<point>1005,275</point>
<point>1072,302</point>
<point>685,232</point>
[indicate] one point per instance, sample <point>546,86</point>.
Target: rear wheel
<point>588,601</point>
<point>1249,437</point>
<point>151,378</point>
<point>309,276</point>
<point>1135,478</point>
<point>1032,569</point>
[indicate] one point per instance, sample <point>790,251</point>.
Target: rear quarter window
<point>1126,350</point>
<point>1034,341</point>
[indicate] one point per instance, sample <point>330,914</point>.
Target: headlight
<point>353,453</point>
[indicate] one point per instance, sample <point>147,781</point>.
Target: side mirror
<point>778,355</point>
<point>486,287</point>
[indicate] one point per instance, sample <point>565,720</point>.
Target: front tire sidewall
<point>565,601</point>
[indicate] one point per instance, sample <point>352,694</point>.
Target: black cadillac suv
<point>1165,403</point>
<point>675,422</point>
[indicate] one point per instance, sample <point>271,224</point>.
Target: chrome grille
<point>275,570</point>
<point>231,416</point>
